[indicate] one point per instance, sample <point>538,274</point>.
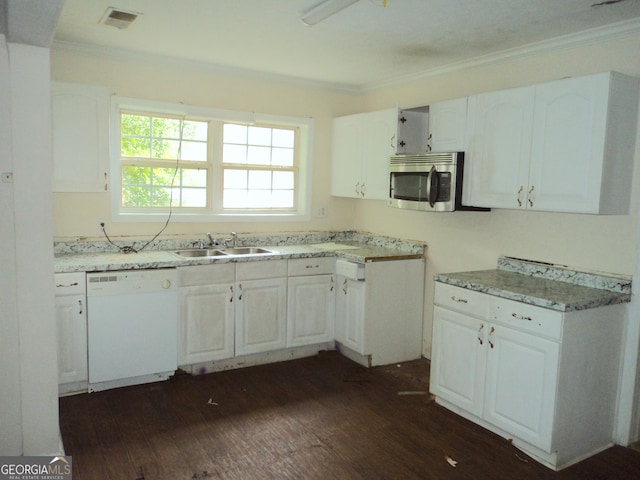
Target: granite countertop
<point>547,286</point>
<point>92,261</point>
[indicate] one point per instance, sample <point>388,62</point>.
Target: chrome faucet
<point>234,239</point>
<point>211,241</point>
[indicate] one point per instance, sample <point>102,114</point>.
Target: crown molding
<point>574,40</point>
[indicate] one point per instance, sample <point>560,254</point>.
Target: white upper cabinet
<point>413,131</point>
<point>563,146</point>
<point>80,124</point>
<point>362,145</point>
<point>448,124</point>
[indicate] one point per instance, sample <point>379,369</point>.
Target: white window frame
<point>214,212</point>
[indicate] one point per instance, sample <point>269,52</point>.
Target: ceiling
<point>363,45</point>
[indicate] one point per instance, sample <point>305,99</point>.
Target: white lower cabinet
<point>207,313</point>
<point>71,322</point>
<point>379,317</point>
<point>261,306</point>
<point>310,301</point>
<point>543,378</point>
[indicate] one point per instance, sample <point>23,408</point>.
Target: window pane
<point>161,197</point>
<point>194,197</point>
<point>136,196</point>
<point>193,130</point>
<point>135,147</point>
<point>233,133</point>
<point>282,199</point>
<point>136,175</point>
<point>260,179</point>
<point>282,157</point>
<point>135,125</point>
<point>164,176</point>
<point>259,156</point>
<point>283,180</point>
<point>259,199</point>
<point>234,154</point>
<point>165,127</point>
<point>259,136</point>
<point>194,178</point>
<point>235,179</point>
<point>162,148</point>
<point>194,151</point>
<point>234,199</point>
<point>283,138</point>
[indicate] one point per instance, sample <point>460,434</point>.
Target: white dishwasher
<point>132,319</point>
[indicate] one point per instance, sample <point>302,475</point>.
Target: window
<point>205,165</point>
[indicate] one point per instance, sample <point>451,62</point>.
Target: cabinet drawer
<point>528,318</point>
<point>69,283</point>
<point>462,300</point>
<point>311,266</point>
<point>206,274</point>
<point>257,270</point>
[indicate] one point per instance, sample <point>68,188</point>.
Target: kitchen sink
<point>200,252</point>
<point>245,250</point>
<point>216,252</point>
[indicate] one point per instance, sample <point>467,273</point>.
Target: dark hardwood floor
<point>323,417</point>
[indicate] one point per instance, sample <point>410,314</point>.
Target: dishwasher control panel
<point>131,281</point>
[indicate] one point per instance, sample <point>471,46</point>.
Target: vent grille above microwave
<point>424,159</point>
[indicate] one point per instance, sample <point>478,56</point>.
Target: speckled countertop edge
<point>561,295</point>
<point>92,257</point>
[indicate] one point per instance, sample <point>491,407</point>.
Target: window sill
<point>211,217</point>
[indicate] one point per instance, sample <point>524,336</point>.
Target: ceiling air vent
<point>118,18</point>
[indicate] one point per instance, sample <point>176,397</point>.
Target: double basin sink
<point>218,252</point>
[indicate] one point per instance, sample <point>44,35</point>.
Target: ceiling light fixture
<point>324,11</point>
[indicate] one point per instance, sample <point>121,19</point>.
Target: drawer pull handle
<point>459,300</point>
<point>480,333</point>
<point>312,266</point>
<point>74,284</point>
<point>521,317</point>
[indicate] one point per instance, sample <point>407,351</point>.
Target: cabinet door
<point>458,359</point>
<point>521,376</point>
<point>71,320</point>
<point>447,125</point>
<point>206,323</point>
<point>568,143</point>
<point>379,137</point>
<point>500,144</point>
<point>310,310</point>
<point>350,313</point>
<point>261,315</point>
<point>80,134</point>
<point>346,166</point>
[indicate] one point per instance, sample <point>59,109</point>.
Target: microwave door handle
<point>432,187</point>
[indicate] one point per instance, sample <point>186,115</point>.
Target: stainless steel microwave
<point>431,182</point>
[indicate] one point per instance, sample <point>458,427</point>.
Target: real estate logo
<point>35,468</point>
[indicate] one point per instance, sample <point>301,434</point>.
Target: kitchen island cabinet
<point>564,146</point>
<point>545,379</point>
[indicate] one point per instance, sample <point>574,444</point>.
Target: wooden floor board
<point>316,418</point>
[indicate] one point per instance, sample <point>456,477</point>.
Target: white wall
<point>30,421</point>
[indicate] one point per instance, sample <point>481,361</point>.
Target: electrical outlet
<point>321,211</point>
